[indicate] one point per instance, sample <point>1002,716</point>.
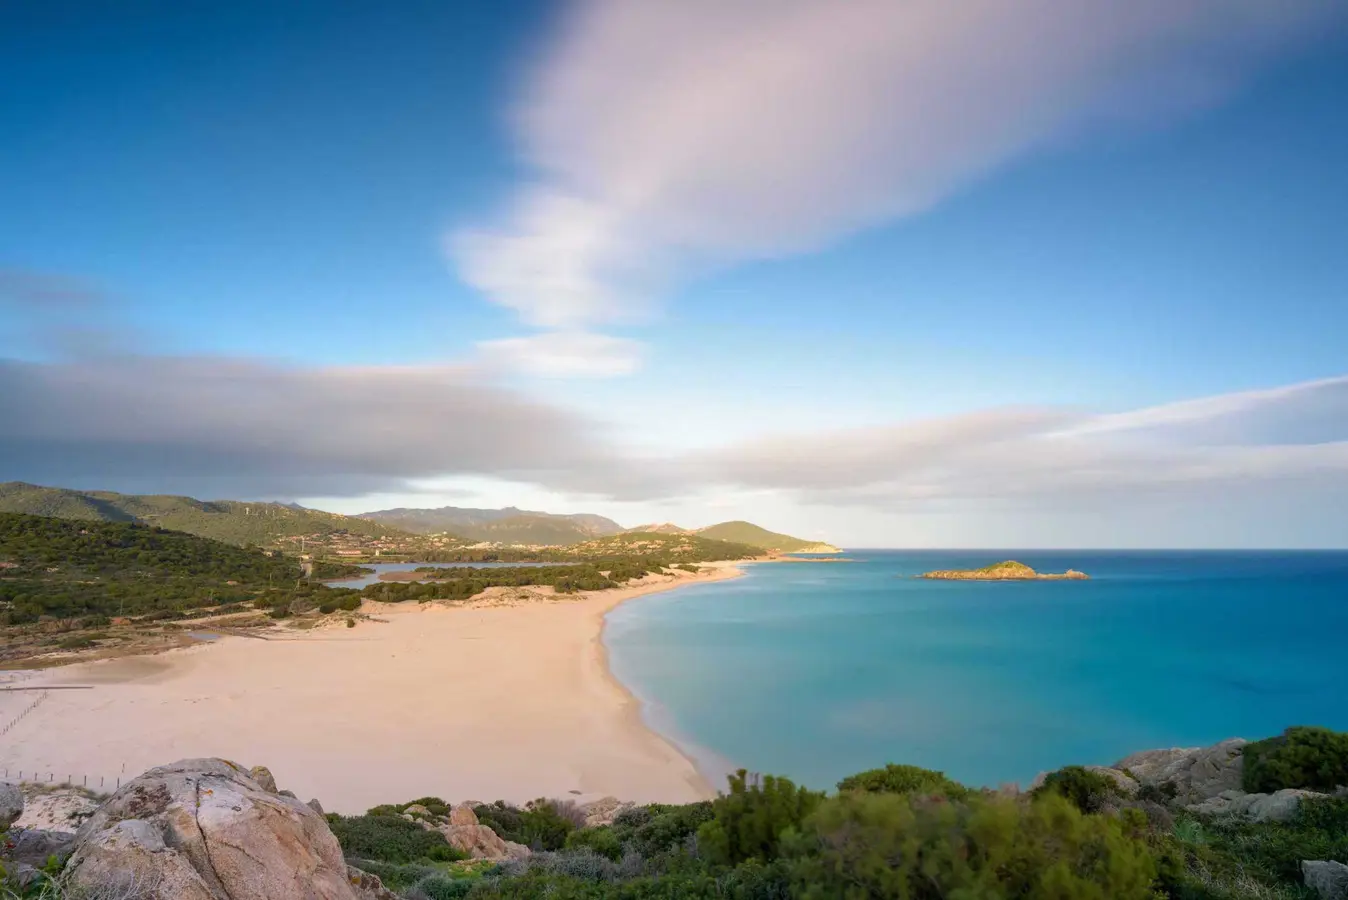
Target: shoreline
<point>509,696</point>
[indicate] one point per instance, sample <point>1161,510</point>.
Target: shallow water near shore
<point>817,671</point>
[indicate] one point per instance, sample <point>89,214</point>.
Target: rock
<point>467,835</point>
<point>604,810</point>
<point>290,794</point>
<point>32,846</point>
<point>60,808</point>
<point>316,806</point>
<point>1126,784</point>
<point>367,886</point>
<point>262,775</point>
<point>11,804</point>
<point>1198,773</point>
<point>204,829</point>
<point>416,809</point>
<point>1280,806</point>
<point>1328,879</point>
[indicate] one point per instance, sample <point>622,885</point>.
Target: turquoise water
<point>818,670</point>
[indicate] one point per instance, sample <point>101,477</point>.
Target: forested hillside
<point>232,521</point>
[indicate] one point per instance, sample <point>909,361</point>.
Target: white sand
<point>498,700</point>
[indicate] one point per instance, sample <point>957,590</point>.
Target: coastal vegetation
<point>1009,570</point>
<point>895,833</point>
<point>87,585</point>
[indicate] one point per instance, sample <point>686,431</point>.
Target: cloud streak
<point>218,427</point>
<point>667,137</point>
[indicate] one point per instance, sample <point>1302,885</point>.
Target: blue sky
<point>702,246</point>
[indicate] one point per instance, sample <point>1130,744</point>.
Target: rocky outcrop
<point>11,804</point>
<point>1328,879</point>
<point>205,829</point>
<point>1003,571</point>
<point>467,835</point>
<point>1280,806</point>
<point>265,780</point>
<point>1195,773</point>
<point>367,886</point>
<point>604,810</point>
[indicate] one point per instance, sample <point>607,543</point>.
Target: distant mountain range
<point>395,530</point>
<point>506,526</point>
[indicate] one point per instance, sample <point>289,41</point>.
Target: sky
<point>1007,273</point>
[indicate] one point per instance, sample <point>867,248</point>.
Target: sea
<point>819,670</point>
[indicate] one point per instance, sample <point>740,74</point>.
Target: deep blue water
<point>816,671</point>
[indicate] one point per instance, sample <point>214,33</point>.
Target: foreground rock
<point>204,829</point>
<point>1328,879</point>
<point>1003,571</point>
<point>1195,774</point>
<point>11,804</point>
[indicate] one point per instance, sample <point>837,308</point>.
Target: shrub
<point>602,840</point>
<point>76,643</point>
<point>390,839</point>
<point>434,804</point>
<point>585,865</point>
<point>504,819</point>
<point>442,887</point>
<point>668,827</point>
<point>395,876</point>
<point>1301,757</point>
<point>350,623</point>
<point>748,822</point>
<point>896,779</point>
<point>861,845</point>
<point>327,607</point>
<point>545,824</point>
<point>1088,791</point>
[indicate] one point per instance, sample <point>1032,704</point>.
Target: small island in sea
<point>1009,570</point>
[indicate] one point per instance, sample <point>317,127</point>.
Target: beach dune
<point>507,698</point>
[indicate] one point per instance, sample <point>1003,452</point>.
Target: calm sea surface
<point>818,670</point>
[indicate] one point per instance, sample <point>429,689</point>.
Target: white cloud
<point>563,354</point>
<point>671,135</point>
<point>219,428</point>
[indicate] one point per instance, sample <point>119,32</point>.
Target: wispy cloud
<point>671,136</point>
<point>250,428</point>
<point>563,354</point>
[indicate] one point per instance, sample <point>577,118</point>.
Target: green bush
<point>390,838</point>
<point>602,840</point>
<point>545,826</point>
<point>1088,791</point>
<point>667,828</point>
<point>748,822</point>
<point>896,779</point>
<point>1301,757</point>
<point>442,887</point>
<point>864,846</point>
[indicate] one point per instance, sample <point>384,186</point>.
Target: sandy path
<point>495,700</point>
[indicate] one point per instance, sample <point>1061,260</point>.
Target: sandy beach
<point>505,698</point>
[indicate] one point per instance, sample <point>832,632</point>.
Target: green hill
<point>68,567</point>
<point>754,536</point>
<point>505,526</point>
<point>231,521</point>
